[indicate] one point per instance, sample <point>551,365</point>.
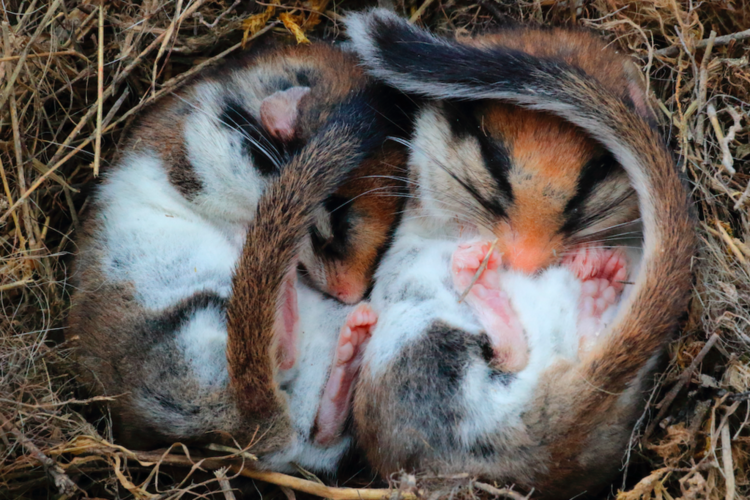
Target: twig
<point>218,18</point>
<point>720,40</point>
<point>500,492</point>
<point>20,172</point>
<point>727,161</point>
<point>65,486</point>
<point>167,37</point>
<point>684,379</point>
<point>45,54</point>
<point>226,488</point>
<point>288,493</point>
<point>276,478</point>
<point>233,451</point>
<point>743,198</point>
<point>24,54</point>
<point>42,168</point>
<point>479,272</point>
<point>15,284</point>
<point>99,92</point>
<point>703,87</point>
<point>728,240</point>
<point>6,185</point>
<point>418,13</point>
<point>726,458</point>
<point>115,107</point>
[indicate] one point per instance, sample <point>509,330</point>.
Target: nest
<point>73,77</point>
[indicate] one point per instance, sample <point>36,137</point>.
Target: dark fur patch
<point>341,214</point>
<point>183,177</point>
<point>305,77</point>
<point>442,355</point>
<point>263,149</point>
<point>593,175</point>
<point>437,364</point>
<point>423,388</point>
<point>375,113</point>
<point>463,122</point>
<point>169,404</point>
<point>410,50</point>
<point>407,50</point>
<point>174,318</point>
<point>483,450</point>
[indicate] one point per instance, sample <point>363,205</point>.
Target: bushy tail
<point>283,217</point>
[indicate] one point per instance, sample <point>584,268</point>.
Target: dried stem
<point>721,40</point>
<point>479,272</point>
<point>65,486</point>
<point>684,379</point>
<point>99,92</point>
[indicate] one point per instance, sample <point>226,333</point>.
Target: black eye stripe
<point>594,173</point>
<point>340,217</point>
<point>463,122</point>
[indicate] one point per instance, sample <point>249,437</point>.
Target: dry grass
<point>73,76</point>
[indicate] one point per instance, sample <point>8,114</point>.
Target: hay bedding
<point>73,77</point>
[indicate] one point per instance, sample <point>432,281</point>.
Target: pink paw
<point>603,272</point>
<point>599,263</point>
<point>467,260</point>
<point>334,405</point>
<point>491,304</point>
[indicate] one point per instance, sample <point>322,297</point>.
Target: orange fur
<point>547,156</point>
<point>579,48</point>
<point>374,189</point>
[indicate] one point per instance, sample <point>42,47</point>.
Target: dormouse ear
<point>637,92</point>
<point>278,112</point>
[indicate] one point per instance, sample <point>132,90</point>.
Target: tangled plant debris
<point>75,74</point>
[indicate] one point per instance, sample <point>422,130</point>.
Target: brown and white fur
<point>219,141</point>
<point>429,395</point>
<point>185,297</point>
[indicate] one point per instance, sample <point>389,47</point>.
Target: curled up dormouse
<point>539,144</point>
<point>187,305</point>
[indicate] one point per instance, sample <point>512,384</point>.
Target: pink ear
<point>278,112</point>
<point>637,92</point>
<point>640,101</point>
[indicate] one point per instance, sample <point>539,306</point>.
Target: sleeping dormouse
<point>188,305</point>
<point>534,166</point>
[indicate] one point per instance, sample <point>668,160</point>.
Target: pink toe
<point>346,334</point>
<point>601,305</point>
<point>345,353</point>
<point>588,287</point>
<point>622,274</point>
<point>587,307</point>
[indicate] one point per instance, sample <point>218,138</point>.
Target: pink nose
<point>347,291</point>
<point>527,259</point>
<point>347,296</point>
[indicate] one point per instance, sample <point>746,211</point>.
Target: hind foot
<point>287,323</point>
<point>490,303</point>
<point>602,273</point>
<point>334,406</point>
